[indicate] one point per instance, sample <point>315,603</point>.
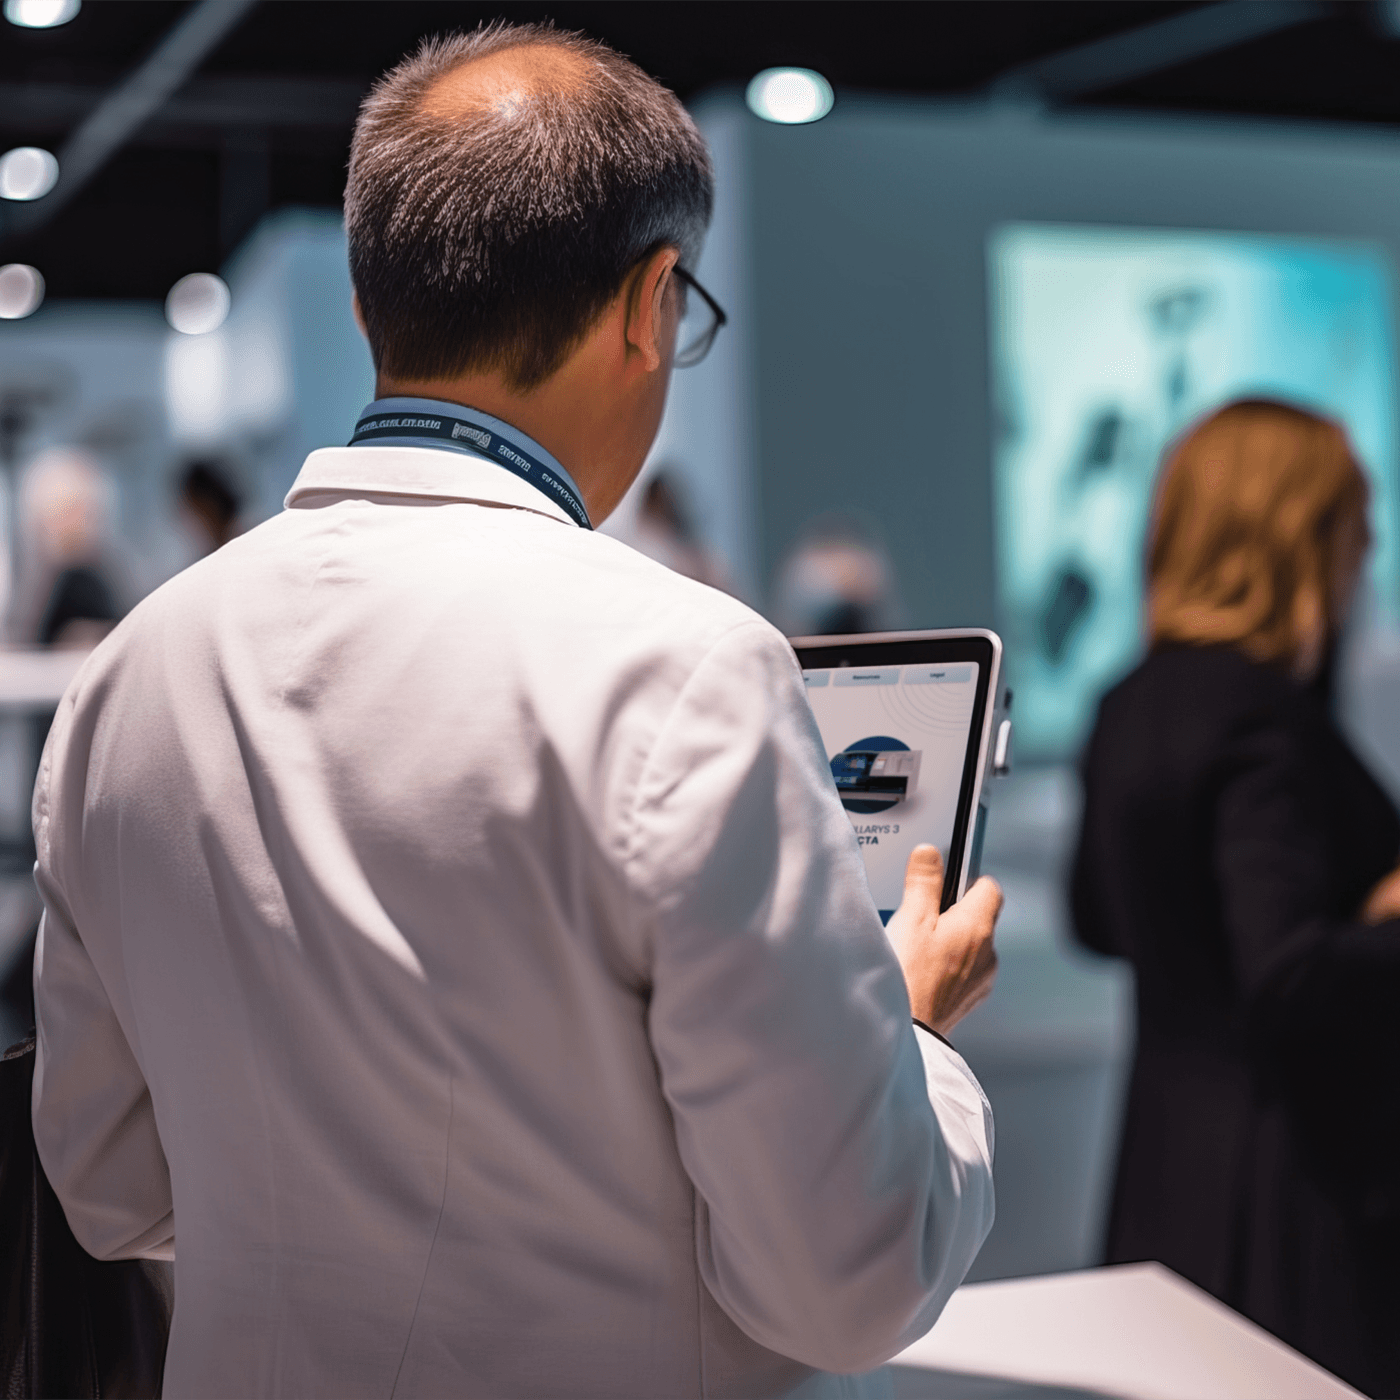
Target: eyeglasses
<point>701,318</point>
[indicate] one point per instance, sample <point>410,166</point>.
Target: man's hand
<point>1383,902</point>
<point>948,959</point>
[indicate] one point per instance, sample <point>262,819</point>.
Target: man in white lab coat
<point>455,956</point>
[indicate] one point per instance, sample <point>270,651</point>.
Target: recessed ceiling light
<point>41,14</point>
<point>198,303</point>
<point>21,291</point>
<point>789,95</point>
<point>27,172</point>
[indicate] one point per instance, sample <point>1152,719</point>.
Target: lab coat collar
<point>331,474</point>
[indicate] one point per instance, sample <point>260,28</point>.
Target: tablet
<point>913,723</point>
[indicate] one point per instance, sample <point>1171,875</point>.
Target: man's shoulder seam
<point>629,852</point>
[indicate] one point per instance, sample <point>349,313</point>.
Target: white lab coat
<point>453,940</point>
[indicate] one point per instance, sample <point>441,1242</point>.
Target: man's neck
<point>478,392</point>
<point>569,415</point>
<point>538,414</point>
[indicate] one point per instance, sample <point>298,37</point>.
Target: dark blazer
<point>1229,836</point>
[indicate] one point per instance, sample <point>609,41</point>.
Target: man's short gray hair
<point>491,238</point>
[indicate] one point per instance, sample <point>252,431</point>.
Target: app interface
<point>896,737</point>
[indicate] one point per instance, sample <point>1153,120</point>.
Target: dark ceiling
<point>264,119</point>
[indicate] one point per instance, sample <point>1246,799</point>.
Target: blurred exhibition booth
<point>959,336</point>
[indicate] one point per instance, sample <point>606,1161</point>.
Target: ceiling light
<point>27,172</point>
<point>789,95</point>
<point>41,14</point>
<point>21,291</point>
<point>198,303</point>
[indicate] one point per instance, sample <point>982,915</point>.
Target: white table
<point>36,679</point>
<point>1135,1332</point>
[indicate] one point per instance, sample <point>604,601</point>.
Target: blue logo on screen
<point>860,791</point>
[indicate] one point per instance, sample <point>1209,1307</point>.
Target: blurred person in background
<point>665,531</point>
<point>209,505</point>
<point>837,578</point>
<point>65,599</point>
<point>1239,854</point>
<point>66,510</point>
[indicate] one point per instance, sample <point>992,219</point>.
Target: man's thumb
<point>923,880</point>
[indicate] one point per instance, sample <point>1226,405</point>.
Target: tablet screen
<point>902,740</point>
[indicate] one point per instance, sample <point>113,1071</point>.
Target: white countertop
<point>1135,1332</point>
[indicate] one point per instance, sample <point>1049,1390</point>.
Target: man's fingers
<point>949,960</point>
<point>985,897</point>
<point>923,877</point>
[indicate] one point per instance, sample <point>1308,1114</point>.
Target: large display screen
<point>1106,342</point>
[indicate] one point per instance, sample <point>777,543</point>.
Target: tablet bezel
<point>946,645</point>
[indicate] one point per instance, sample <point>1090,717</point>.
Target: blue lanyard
<point>450,429</point>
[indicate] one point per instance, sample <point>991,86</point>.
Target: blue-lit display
<point>1105,343</point>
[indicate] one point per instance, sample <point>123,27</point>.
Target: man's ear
<point>358,313</point>
<point>648,321</point>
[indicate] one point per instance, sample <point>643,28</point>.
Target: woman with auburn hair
<point>1236,851</point>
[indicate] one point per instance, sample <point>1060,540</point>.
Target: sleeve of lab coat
<point>842,1162</point>
<point>94,1124</point>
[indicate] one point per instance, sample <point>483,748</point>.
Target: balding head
<point>503,82</point>
<point>502,186</point>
